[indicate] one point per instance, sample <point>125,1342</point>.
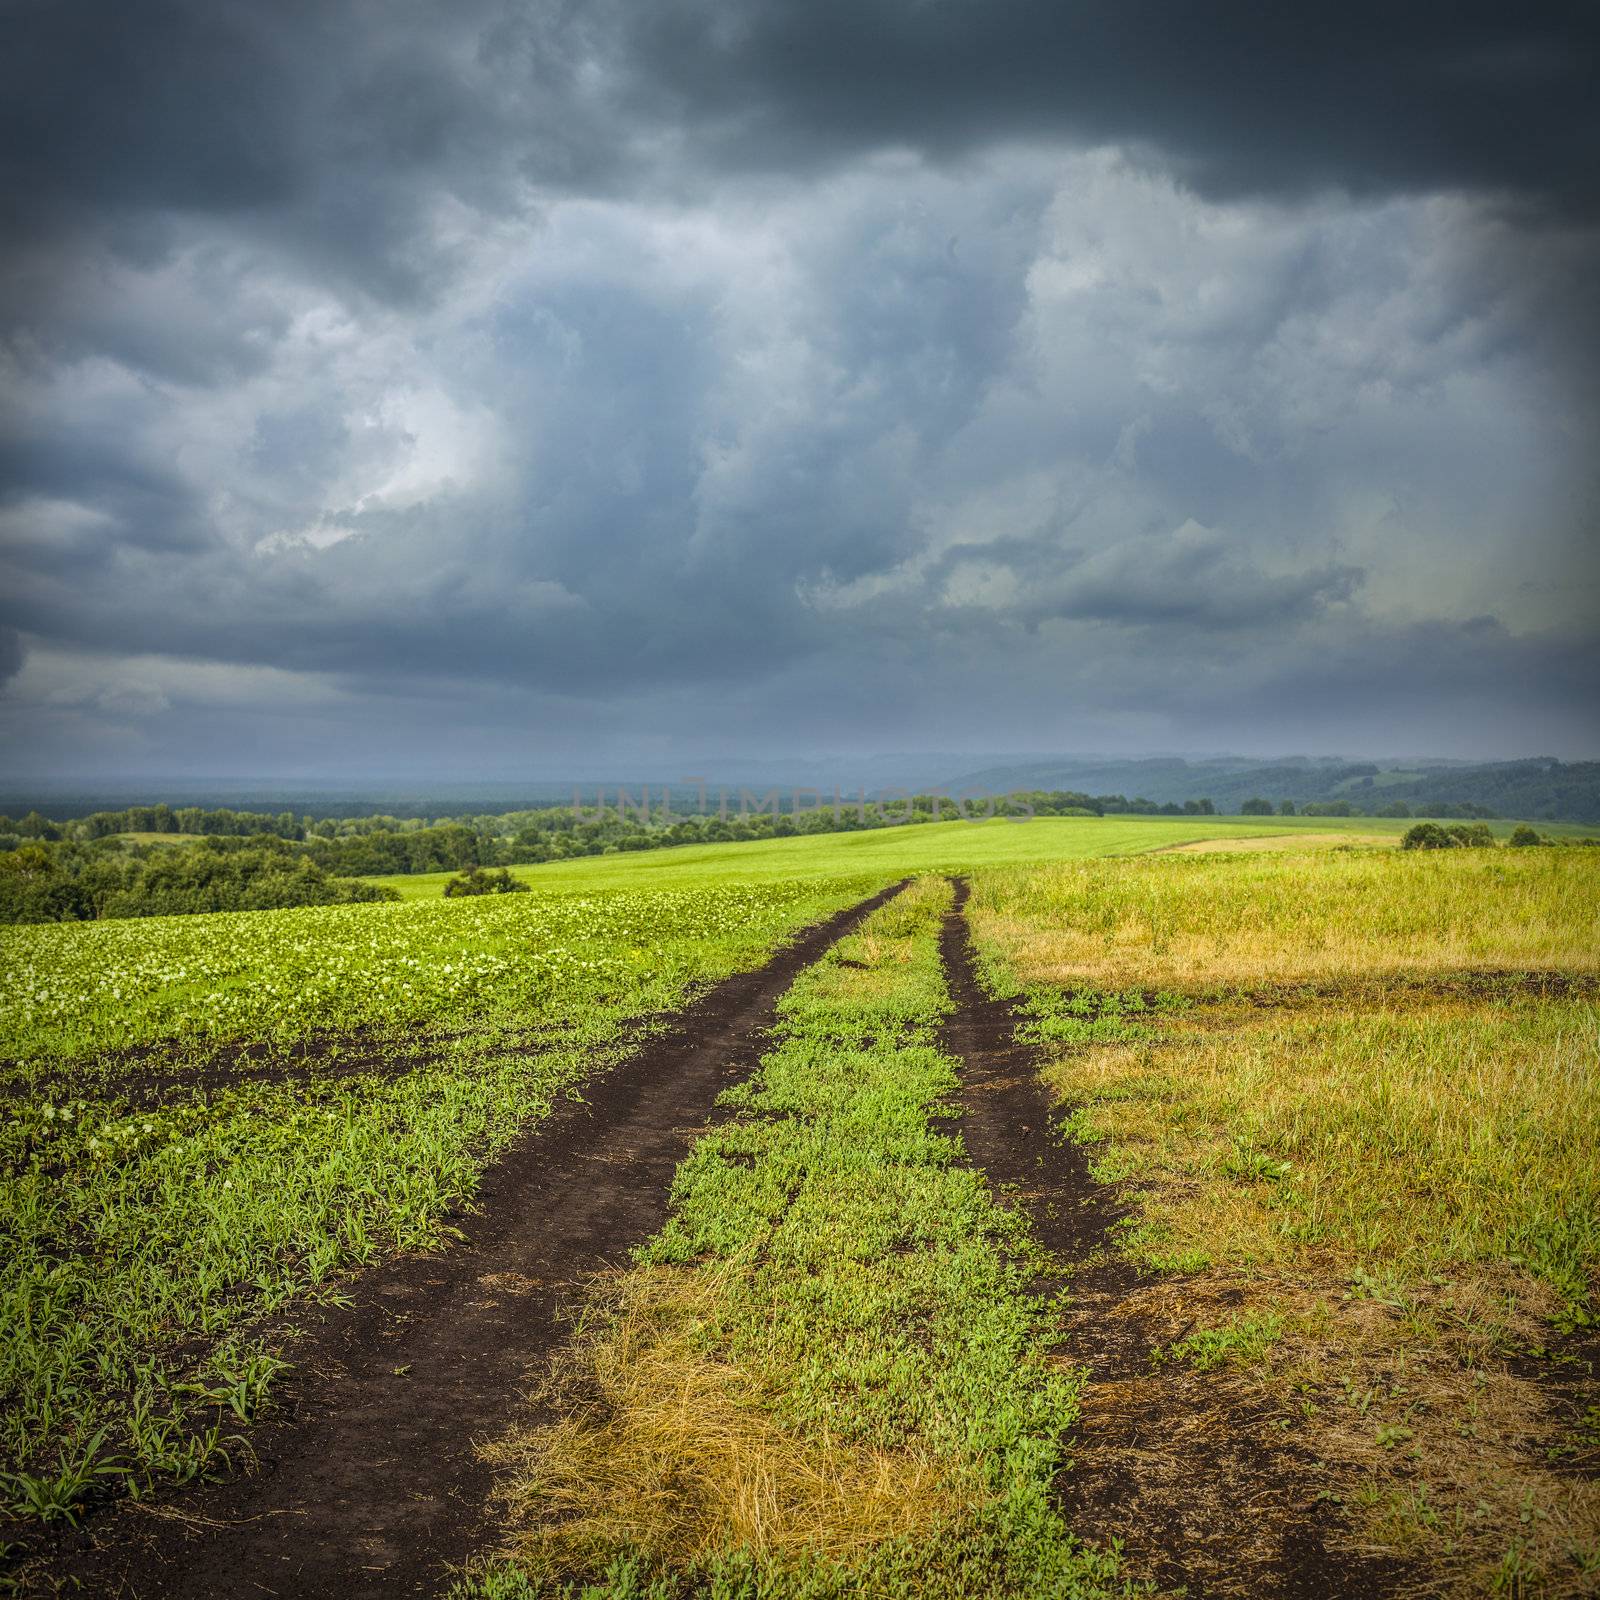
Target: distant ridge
<point>1540,788</point>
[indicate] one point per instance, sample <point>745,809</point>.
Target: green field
<point>926,847</point>
<point>216,1185</point>
<point>1344,1096</point>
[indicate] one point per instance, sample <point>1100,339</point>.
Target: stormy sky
<point>504,387</point>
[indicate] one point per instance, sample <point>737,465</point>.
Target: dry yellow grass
<point>1373,1166</point>
<point>1175,921</point>
<point>1416,1131</point>
<point>663,1449</point>
<point>1374,1209</point>
<point>1280,842</point>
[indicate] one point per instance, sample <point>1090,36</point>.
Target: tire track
<point>1166,1459</point>
<point>369,1485</point>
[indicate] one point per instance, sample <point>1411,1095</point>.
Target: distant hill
<point>1538,789</point>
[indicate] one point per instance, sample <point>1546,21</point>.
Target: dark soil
<point>1567,1372</point>
<point>147,1074</point>
<point>369,1484</point>
<point>1484,984</point>
<point>1170,1462</point>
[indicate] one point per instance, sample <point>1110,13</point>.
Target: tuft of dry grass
<point>1396,1425</point>
<point>662,1446</point>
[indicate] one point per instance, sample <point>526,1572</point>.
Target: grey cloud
<point>1368,97</point>
<point>12,654</point>
<point>343,124</point>
<point>647,368</point>
<point>1193,581</point>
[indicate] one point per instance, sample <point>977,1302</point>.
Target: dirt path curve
<point>370,1486</point>
<point>1166,1459</point>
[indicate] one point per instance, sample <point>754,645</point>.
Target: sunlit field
<point>926,847</point>
<point>1229,918</point>
<point>1353,1100</point>
<point>1343,1100</point>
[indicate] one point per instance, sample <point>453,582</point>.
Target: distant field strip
<point>1189,921</point>
<point>823,1376</point>
<point>942,847</point>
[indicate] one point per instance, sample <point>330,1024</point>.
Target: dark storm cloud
<point>665,366</point>
<point>338,119</point>
<point>1245,98</point>
<point>336,124</point>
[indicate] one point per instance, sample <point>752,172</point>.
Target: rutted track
<point>1200,1508</point>
<point>370,1485</point>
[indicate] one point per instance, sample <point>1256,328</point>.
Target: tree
<point>1524,836</point>
<point>1256,807</point>
<point>1286,808</point>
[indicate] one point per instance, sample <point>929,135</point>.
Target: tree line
<point>143,860</point>
<point>73,881</point>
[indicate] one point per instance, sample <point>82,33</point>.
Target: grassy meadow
<point>1346,1096</point>
<point>1353,1103</point>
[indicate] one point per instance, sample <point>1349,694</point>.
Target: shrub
<point>476,881</point>
<point>1524,836</point>
<point>1427,836</point>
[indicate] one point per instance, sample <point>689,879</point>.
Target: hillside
<point>1540,789</point>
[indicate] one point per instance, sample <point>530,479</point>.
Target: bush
<point>1524,836</point>
<point>476,881</point>
<point>1427,836</point>
<point>1465,835</point>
